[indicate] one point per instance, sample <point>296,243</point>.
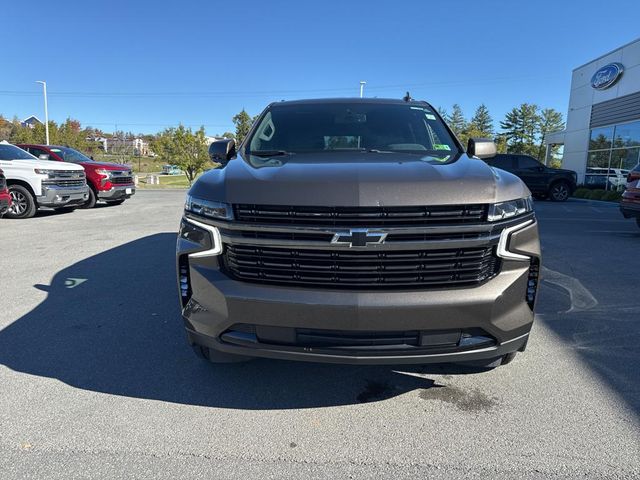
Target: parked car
<point>111,182</point>
<point>5,196</point>
<point>605,178</point>
<point>630,203</point>
<point>544,182</point>
<point>171,170</point>
<point>35,183</point>
<point>357,231</point>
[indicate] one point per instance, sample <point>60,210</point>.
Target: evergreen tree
<point>243,122</point>
<point>520,128</point>
<point>481,122</point>
<point>550,121</point>
<point>456,120</point>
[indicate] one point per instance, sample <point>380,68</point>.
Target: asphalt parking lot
<point>97,381</point>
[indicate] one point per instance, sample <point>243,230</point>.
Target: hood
<point>357,179</point>
<point>107,166</point>
<point>45,164</point>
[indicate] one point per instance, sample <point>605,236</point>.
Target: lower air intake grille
<point>425,269</point>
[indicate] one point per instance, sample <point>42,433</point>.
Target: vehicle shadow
<point>111,323</point>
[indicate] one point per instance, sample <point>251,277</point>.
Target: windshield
<point>327,127</point>
<point>70,155</point>
<point>11,152</point>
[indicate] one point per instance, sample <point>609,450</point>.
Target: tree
<point>181,146</point>
<point>242,121</point>
<point>550,121</point>
<point>456,120</point>
<point>520,128</point>
<point>481,122</point>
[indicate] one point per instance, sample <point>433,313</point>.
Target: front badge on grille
<point>359,237</point>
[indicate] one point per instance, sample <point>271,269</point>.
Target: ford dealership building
<point>602,136</point>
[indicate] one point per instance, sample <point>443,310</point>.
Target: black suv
<point>554,183</point>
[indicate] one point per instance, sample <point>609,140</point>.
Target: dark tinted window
<point>36,152</point>
<point>527,163</point>
<point>325,127</point>
<point>502,161</point>
<point>70,155</point>
<point>11,152</point>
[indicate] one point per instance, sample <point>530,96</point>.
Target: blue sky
<point>143,66</point>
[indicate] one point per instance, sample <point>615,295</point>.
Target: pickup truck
<point>357,231</point>
<point>5,196</point>
<point>110,182</point>
<point>35,183</point>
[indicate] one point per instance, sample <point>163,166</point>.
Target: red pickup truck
<point>111,182</point>
<point>630,203</point>
<point>5,197</point>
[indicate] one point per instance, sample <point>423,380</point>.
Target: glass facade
<point>613,151</point>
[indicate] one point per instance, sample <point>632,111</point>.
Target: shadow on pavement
<point>599,250</point>
<point>111,323</point>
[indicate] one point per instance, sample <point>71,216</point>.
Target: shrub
<point>581,192</point>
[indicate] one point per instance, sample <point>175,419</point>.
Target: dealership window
<point>613,151</point>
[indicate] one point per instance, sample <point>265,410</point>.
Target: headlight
<point>42,171</point>
<point>510,209</point>
<point>102,171</point>
<point>207,208</point>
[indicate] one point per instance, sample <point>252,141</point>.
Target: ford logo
<point>606,76</point>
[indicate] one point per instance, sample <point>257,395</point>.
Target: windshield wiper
<point>269,153</point>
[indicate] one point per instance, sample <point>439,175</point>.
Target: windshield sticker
<point>430,116</point>
<point>441,146</point>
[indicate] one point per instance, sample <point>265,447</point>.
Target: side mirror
<point>481,148</point>
<point>221,151</point>
<point>43,156</point>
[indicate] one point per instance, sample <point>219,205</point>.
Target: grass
<point>139,165</point>
<point>166,181</point>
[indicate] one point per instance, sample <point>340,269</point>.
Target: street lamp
<point>46,109</point>
<point>362,84</point>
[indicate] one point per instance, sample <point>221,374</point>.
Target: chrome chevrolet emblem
<point>359,237</point>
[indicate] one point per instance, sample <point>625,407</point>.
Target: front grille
<point>65,182</point>
<point>361,269</point>
<point>121,180</point>
<point>369,217</point>
<point>326,237</point>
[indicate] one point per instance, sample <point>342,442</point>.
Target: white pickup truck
<point>35,183</point>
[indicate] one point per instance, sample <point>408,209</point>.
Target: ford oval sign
<point>606,76</point>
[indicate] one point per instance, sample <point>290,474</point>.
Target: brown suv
<point>630,203</point>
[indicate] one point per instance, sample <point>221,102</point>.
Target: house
<point>31,121</point>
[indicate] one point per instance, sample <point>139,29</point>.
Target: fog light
<point>532,282</point>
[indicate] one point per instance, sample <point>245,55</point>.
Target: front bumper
<point>117,193</point>
<point>55,196</point>
<point>219,309</point>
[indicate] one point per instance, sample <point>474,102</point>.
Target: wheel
<point>215,356</point>
<point>65,209</point>
<point>559,191</point>
<point>92,200</point>
<point>508,358</point>
<point>23,205</point>
<point>115,202</point>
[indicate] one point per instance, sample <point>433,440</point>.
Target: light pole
<point>46,109</point>
<point>362,84</point>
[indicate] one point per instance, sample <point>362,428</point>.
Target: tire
<point>92,200</point>
<point>559,191</point>
<point>214,356</point>
<point>115,202</point>
<point>23,205</point>
<point>65,209</point>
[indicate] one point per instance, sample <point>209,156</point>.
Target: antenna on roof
<point>407,97</point>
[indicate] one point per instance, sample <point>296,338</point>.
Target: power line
<point>258,93</point>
